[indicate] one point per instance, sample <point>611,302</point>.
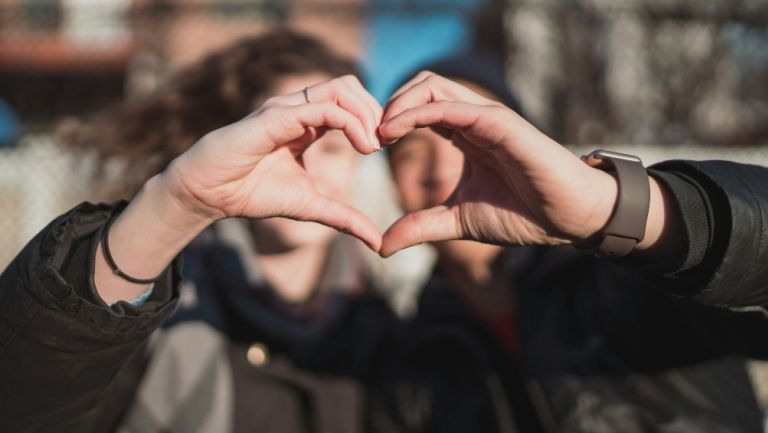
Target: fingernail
<point>389,142</point>
<point>380,137</point>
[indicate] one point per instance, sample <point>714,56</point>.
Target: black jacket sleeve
<point>587,316</point>
<point>724,210</point>
<point>69,362</point>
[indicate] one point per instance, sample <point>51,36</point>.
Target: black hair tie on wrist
<point>111,261</point>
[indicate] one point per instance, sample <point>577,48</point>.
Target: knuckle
<point>271,110</point>
<point>208,138</point>
<point>425,74</point>
<point>279,115</point>
<point>270,102</point>
<point>328,106</point>
<point>350,79</point>
<point>433,78</point>
<point>330,111</point>
<point>499,111</point>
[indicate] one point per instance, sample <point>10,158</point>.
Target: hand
<point>518,187</point>
<point>254,168</point>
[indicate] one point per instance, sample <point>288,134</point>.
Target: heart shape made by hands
<point>517,187</point>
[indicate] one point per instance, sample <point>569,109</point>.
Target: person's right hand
<point>253,168</point>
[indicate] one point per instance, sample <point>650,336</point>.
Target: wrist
<point>663,233</point>
<point>170,218</point>
<point>176,186</point>
<point>144,239</point>
<point>605,187</point>
<point>628,219</point>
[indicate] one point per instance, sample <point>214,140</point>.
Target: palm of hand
<point>279,187</point>
<point>254,169</point>
<point>522,202</point>
<point>225,178</point>
<point>517,187</point>
<point>486,212</point>
<point>526,201</point>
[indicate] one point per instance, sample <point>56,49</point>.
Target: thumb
<point>344,218</point>
<point>430,225</point>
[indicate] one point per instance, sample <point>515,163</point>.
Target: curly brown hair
<point>145,135</point>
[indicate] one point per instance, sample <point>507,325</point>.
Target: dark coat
<point>69,363</point>
<point>606,345</point>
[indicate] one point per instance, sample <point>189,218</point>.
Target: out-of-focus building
<point>643,71</point>
<point>62,56</point>
<point>57,58</point>
<point>68,57</point>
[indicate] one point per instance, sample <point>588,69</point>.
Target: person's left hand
<point>518,186</point>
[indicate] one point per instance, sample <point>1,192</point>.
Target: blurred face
<point>330,162</point>
<point>426,169</point>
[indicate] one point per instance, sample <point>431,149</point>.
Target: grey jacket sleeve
<point>726,262</point>
<point>69,362</point>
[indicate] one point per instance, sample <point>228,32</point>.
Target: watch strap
<point>626,227</point>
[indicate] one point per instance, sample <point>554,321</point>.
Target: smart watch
<point>626,226</point>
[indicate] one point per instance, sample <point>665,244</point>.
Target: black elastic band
<point>111,261</point>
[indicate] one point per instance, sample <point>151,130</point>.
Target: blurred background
<point>681,78</point>
<point>660,78</point>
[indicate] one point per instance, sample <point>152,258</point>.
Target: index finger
<point>451,115</point>
<point>348,93</point>
<point>495,129</point>
<point>431,88</point>
<point>288,123</point>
